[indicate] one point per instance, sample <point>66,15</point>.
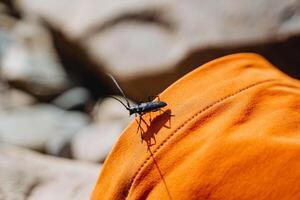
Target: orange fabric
<point>235,134</point>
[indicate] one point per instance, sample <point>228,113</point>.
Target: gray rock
<point>94,142</point>
<point>149,44</point>
<point>6,39</point>
<point>72,98</point>
<point>3,8</point>
<point>28,60</point>
<point>31,176</point>
<point>36,126</point>
<point>13,98</point>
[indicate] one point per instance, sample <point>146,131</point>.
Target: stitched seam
<point>185,123</point>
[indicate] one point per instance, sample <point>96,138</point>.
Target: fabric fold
<point>230,131</point>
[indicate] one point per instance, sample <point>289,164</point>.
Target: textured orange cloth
<point>235,134</point>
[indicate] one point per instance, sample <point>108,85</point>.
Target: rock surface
<point>166,39</point>
<point>73,98</point>
<point>28,60</point>
<point>39,125</point>
<point>94,142</point>
<point>31,176</point>
<point>11,98</point>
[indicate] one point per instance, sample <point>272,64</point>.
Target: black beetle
<point>142,108</point>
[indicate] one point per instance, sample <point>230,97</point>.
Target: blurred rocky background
<point>56,124</point>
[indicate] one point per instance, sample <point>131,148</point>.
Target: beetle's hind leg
<point>139,121</point>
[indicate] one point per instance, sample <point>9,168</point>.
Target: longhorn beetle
<point>141,108</point>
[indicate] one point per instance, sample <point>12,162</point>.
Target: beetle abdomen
<point>147,107</point>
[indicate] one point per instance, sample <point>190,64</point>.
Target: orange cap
<point>234,134</point>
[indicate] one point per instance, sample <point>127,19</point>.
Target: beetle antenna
<point>118,101</point>
<point>119,88</point>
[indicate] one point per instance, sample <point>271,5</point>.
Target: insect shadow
<point>152,128</point>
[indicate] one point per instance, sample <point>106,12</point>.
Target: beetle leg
<point>142,130</point>
<point>139,123</point>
